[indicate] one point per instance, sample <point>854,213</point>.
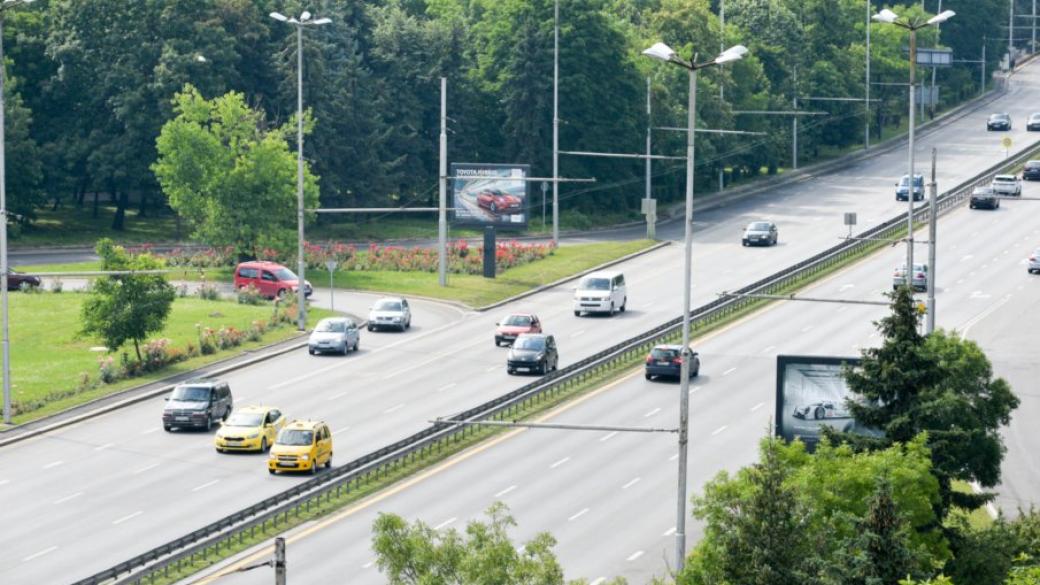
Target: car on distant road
<point>338,334</point>
<point>999,122</point>
<point>302,445</point>
<point>1034,262</point>
<point>821,411</point>
<point>498,201</point>
<point>15,280</point>
<point>903,188</point>
<point>1031,170</point>
<point>533,352</point>
<point>1006,185</point>
<point>253,428</point>
<point>984,197</point>
<point>666,361</point>
<point>1033,124</point>
<point>270,278</point>
<point>919,279</point>
<point>507,330</point>
<point>760,233</point>
<point>390,313</point>
<point>197,404</point>
<point>601,292</point>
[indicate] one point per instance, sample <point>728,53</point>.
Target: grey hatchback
<point>533,352</point>
<point>666,360</point>
<point>338,334</point>
<point>760,233</point>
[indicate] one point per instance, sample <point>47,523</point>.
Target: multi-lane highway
<point>85,497</point>
<point>609,497</point>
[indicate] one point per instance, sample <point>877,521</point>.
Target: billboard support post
<point>933,188</point>
<point>489,251</point>
<point>442,220</point>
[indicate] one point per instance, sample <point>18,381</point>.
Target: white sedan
<point>1007,185</point>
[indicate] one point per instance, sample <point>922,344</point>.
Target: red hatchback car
<point>270,278</point>
<point>498,201</point>
<point>514,325</point>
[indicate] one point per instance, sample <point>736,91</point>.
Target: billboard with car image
<point>489,194</point>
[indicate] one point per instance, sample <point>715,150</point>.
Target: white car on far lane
<point>1007,185</point>
<point>1034,262</point>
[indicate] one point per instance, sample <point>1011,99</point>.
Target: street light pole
<point>665,53</point>
<point>932,234</point>
<point>556,123</point>
<point>442,220</point>
<point>4,7</point>
<point>866,84</point>
<point>301,289</point>
<point>651,218</point>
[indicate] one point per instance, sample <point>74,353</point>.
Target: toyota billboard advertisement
<point>489,194</point>
<point>811,394</point>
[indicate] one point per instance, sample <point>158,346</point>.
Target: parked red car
<point>15,280</point>
<point>498,201</point>
<point>270,278</point>
<point>514,325</point>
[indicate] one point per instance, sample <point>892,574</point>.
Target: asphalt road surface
<point>609,498</point>
<point>82,498</point>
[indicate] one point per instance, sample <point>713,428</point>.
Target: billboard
<point>489,194</point>
<point>811,394</point>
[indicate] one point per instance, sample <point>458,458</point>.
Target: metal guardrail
<point>175,554</point>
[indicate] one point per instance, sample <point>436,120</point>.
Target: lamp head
<point>305,16</point>
<point>322,21</point>
<point>734,53</point>
<point>942,17</point>
<point>886,16</point>
<point>660,51</point>
<point>279,17</point>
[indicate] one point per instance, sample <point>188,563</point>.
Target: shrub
<point>250,295</point>
<point>229,337</point>
<point>256,331</point>
<point>207,340</point>
<point>57,285</point>
<point>208,292</point>
<point>108,371</point>
<point>156,354</point>
<point>182,290</point>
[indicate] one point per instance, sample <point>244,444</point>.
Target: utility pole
<point>279,561</point>
<point>556,123</point>
<point>933,97</point>
<point>866,84</point>
<point>982,90</point>
<point>442,214</point>
<point>932,197</point>
<point>650,217</point>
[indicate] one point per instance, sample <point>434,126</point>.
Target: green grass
<point>72,226</point>
<point>48,355</point>
<point>978,518</point>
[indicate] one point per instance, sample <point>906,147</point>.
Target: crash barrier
<point>277,510</point>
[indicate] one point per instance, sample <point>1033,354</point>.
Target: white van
<point>600,292</point>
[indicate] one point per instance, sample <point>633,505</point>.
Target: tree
<point>942,385</point>
<point>413,554</point>
<point>234,180</point>
<point>127,307</point>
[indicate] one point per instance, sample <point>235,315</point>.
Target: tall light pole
<point>301,292</point>
<point>665,53</point>
<point>4,7</point>
<point>556,123</point>
<point>912,25</point>
<point>866,84</point>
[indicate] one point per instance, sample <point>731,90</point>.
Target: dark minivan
<point>197,404</point>
<point>533,352</point>
<point>666,360</point>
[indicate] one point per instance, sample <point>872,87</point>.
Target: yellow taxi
<point>302,445</point>
<point>252,428</point>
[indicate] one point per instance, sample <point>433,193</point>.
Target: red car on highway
<point>498,201</point>
<point>514,325</point>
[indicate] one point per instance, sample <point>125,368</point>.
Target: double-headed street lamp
<point>4,7</point>
<point>665,53</point>
<point>913,25</point>
<point>303,21</point>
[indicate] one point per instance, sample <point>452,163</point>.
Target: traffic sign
<point>1006,142</point>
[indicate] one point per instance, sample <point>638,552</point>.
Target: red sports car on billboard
<point>498,201</point>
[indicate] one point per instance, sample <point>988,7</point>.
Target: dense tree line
<point>93,81</point>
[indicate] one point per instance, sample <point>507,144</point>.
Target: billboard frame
<point>525,210</point>
<point>782,363</point>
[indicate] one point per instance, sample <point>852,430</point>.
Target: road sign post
<point>331,265</point>
<point>1006,143</point>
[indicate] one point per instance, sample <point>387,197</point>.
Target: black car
<point>533,352</point>
<point>999,122</point>
<point>1034,122</point>
<point>666,360</point>
<point>197,404</point>
<point>1031,172</point>
<point>984,197</point>
<point>16,280</point>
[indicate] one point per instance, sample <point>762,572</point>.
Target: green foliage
<point>232,179</point>
<point>993,555</point>
<point>126,307</point>
<point>418,554</point>
<point>942,385</point>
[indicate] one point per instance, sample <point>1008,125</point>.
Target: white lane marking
<point>103,447</point>
<point>368,565</point>
<point>447,386</point>
<point>719,430</point>
<point>303,377</point>
<point>53,464</point>
<point>39,554</point>
<point>4,481</point>
<point>694,389</point>
<point>974,320</point>
<point>577,333</point>
<point>338,431</point>
<point>846,287</point>
<point>769,349</point>
<point>505,491</point>
<point>634,555</point>
<point>146,468</point>
<point>127,517</point>
<point>338,396</point>
<point>436,358</point>
<point>652,413</point>
<point>559,463</point>
<point>960,281</point>
<point>669,532</point>
<point>807,328</point>
<point>578,515</point>
<point>964,259</point>
<point>978,295</point>
<point>673,457</point>
<point>492,368</point>
<point>608,436</point>
<point>150,431</point>
<point>205,485</point>
<point>631,483</point>
<point>67,498</point>
<point>394,408</point>
<point>757,406</point>
<point>445,523</point>
<point>729,371</point>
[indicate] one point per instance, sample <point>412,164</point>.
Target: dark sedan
<point>999,122</point>
<point>15,280</point>
<point>666,361</point>
<point>1034,122</point>
<point>1031,172</point>
<point>984,197</point>
<point>533,352</point>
